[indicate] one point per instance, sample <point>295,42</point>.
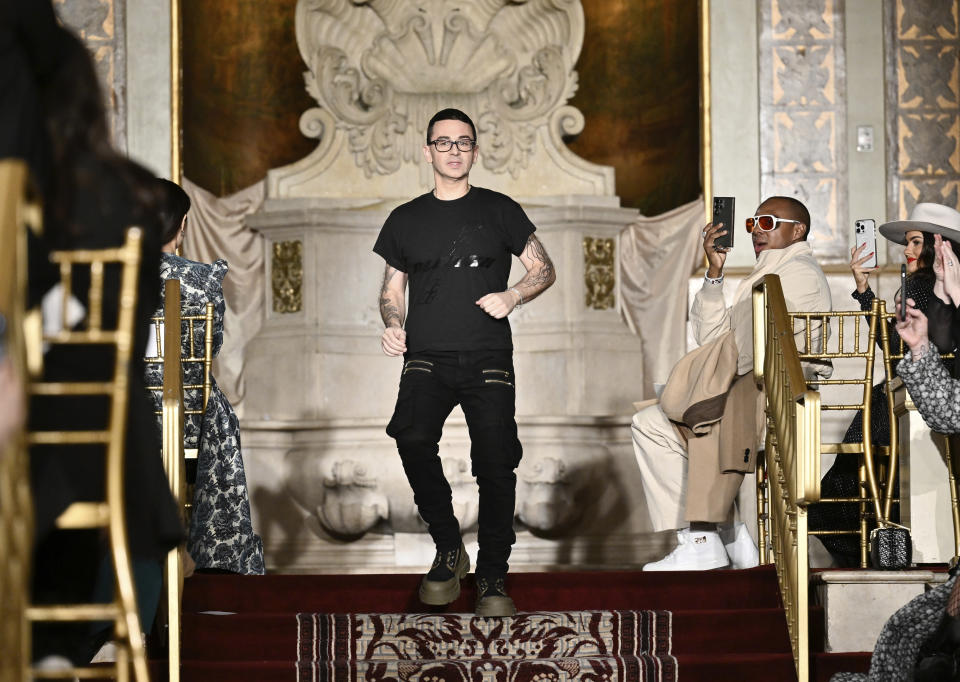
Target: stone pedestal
<point>856,604</point>
<point>327,488</point>
<point>925,498</point>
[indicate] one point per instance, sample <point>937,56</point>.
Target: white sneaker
<point>696,551</point>
<point>55,663</point>
<point>106,654</point>
<point>742,550</point>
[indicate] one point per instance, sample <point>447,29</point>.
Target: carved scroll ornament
<point>379,69</point>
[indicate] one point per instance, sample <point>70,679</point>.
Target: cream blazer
<point>804,288</point>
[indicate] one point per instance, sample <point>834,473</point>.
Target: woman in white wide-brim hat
<point>928,225</point>
<point>942,224</point>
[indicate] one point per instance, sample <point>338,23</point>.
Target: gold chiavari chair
<point>196,395</point>
<point>852,341</point>
<point>108,515</point>
<point>17,211</point>
<point>178,401</point>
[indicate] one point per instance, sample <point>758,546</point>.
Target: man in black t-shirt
<point>454,248</point>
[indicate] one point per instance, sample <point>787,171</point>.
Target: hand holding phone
<point>723,213</point>
<point>866,246</point>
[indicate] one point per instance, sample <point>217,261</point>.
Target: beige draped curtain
<point>657,257</point>
<point>216,229</point>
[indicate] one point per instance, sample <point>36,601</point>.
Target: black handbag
<point>890,547</point>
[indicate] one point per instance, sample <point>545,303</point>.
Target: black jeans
<point>482,383</point>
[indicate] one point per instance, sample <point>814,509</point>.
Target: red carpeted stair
<point>726,625</point>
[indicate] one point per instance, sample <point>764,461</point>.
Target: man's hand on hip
<point>498,305</point>
<point>394,341</point>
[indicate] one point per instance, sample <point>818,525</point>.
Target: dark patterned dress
<point>221,534</point>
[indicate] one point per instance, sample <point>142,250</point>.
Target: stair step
<point>275,671</point>
<point>736,667</point>
<point>562,591</point>
<point>268,636</point>
<point>824,665</point>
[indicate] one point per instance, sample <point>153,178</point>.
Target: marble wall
<point>803,114</point>
<point>101,24</point>
<point>923,109</point>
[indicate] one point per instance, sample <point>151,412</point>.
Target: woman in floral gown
<point>221,536</point>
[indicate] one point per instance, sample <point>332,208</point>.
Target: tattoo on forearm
<point>389,311</point>
<point>539,277</point>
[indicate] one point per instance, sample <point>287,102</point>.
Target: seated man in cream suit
<point>670,469</point>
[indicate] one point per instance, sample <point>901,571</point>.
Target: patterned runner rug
<point>587,646</point>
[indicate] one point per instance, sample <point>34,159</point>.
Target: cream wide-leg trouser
<point>662,457</point>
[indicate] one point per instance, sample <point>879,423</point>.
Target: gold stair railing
<point>173,462</point>
<point>188,326</point>
<point>792,457</point>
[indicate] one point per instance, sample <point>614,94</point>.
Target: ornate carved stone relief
<point>351,505</point>
<point>287,276</point>
<point>803,114</point>
<point>923,109</point>
<point>379,69</point>
<point>599,269</point>
<point>101,25</point>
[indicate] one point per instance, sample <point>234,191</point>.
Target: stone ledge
<point>877,577</point>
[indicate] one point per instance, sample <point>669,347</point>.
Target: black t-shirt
<point>454,252</point>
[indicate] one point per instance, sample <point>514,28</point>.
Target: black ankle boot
<point>441,585</point>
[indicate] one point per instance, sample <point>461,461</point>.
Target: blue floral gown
<point>221,534</point>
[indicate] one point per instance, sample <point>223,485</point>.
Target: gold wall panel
<point>287,276</point>
<point>599,272</point>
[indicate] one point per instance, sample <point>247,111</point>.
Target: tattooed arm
<point>393,310</point>
<point>540,275</point>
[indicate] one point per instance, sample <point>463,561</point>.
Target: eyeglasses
<point>766,223</point>
<point>464,144</point>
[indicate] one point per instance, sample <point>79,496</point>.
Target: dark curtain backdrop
<point>639,82</point>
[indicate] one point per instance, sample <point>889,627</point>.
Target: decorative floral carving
<point>598,272</point>
<point>380,68</point>
<point>287,276</point>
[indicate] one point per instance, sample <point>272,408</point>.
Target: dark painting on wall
<point>639,86</point>
<point>639,92</point>
<point>242,92</point>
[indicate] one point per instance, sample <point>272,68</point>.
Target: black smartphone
<point>723,213</point>
<point>902,308</point>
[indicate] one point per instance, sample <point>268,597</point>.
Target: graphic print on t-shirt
<point>463,253</point>
<point>454,252</point>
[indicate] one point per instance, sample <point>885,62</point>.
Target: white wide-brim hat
<point>933,218</point>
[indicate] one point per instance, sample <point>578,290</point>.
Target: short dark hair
<point>797,211</point>
<point>451,115</point>
<point>174,204</point>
